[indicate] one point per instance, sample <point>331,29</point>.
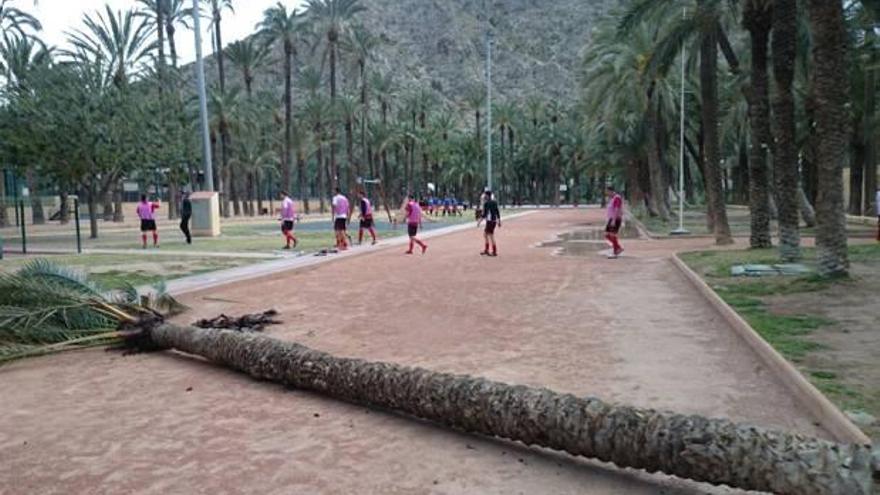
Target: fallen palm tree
<point>710,450</point>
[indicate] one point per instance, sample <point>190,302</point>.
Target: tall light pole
<point>490,41</point>
<point>681,230</point>
<point>203,100</point>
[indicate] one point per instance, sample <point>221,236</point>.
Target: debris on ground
<point>770,270</point>
<point>255,322</point>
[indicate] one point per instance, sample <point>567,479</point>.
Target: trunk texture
<point>37,214</point>
<point>64,210</point>
<point>808,213</point>
<point>785,155</point>
<point>711,450</point>
<point>118,212</point>
<point>757,19</point>
<point>830,85</point>
<point>657,198</point>
<point>288,157</point>
<point>868,126</point>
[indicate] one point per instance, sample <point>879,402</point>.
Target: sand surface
<point>628,330</point>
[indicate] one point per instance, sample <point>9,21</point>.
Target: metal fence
<point>44,225</point>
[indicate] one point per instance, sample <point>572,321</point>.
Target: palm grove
<point>766,124</point>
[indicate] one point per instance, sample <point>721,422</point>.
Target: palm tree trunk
<point>785,160</point>
<point>808,213</point>
<point>92,199</point>
<point>118,212</point>
<point>160,60</point>
<point>657,198</point>
<point>256,188</point>
<point>365,112</point>
<point>712,450</point>
<point>322,191</point>
<point>219,38</point>
<point>334,168</point>
<point>709,110</point>
<point>172,46</point>
<point>288,89</point>
<point>4,212</point>
<point>38,217</point>
<point>870,95</point>
<point>830,84</point>
<point>856,171</point>
<point>758,22</point>
<point>301,179</point>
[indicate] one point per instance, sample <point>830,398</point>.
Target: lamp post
<point>490,41</point>
<point>203,100</point>
<point>681,230</point>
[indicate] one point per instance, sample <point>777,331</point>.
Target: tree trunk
<point>808,213</point>
<point>712,450</point>
<point>37,215</point>
<point>64,209</point>
<point>4,212</point>
<point>287,160</point>
<point>92,200</point>
<point>657,197</point>
<point>172,46</point>
<point>870,94</point>
<point>107,200</point>
<point>334,167</point>
<point>757,19</point>
<point>856,173</point>
<point>322,191</point>
<point>258,191</point>
<point>709,110</point>
<point>301,178</point>
<point>830,84</point>
<point>118,212</point>
<point>173,198</point>
<point>785,159</point>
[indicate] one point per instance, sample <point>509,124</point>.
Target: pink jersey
<point>615,207</point>
<point>366,208</point>
<point>287,210</point>
<point>413,213</point>
<point>145,210</point>
<point>340,206</point>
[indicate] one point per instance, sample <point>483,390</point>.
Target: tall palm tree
<point>830,85</point>
<point>249,57</point>
<point>217,7</point>
<point>14,21</point>
<point>155,12</point>
<point>361,43</point>
<point>177,13</point>
<point>785,159</point>
<point>333,18</point>
<point>224,109</point>
<point>280,26</point>
<point>758,21</point>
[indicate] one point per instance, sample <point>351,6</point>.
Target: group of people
<point>447,206</point>
<point>488,214</point>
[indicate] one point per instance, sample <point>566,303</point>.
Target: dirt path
<point>630,330</point>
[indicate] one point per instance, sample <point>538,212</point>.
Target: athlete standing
<point>413,222</point>
<point>492,216</point>
<point>366,218</point>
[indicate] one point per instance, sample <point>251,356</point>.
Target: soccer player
<point>288,216</point>
<point>145,211</point>
<point>186,210</point>
<point>413,222</point>
<point>366,218</point>
<point>615,219</point>
<point>493,219</point>
<point>340,219</point>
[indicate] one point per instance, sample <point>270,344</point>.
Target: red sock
<point>155,238</point>
<point>494,249</point>
<point>144,238</point>
<point>615,243</point>
<point>410,243</point>
<point>486,249</point>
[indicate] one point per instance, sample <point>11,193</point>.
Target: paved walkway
<point>631,330</point>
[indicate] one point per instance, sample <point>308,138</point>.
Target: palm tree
<point>785,159</point>
<point>758,20</point>
<point>46,309</point>
<point>14,20</point>
<point>224,107</point>
<point>476,102</point>
<point>362,44</point>
<point>249,57</point>
<point>217,7</point>
<point>154,11</point>
<point>280,26</point>
<point>334,19</point>
<point>830,85</point>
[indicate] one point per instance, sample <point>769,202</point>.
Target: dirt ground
<point>629,330</point>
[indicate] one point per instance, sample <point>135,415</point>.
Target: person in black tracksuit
<point>185,215</point>
<point>492,216</point>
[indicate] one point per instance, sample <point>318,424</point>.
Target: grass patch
<point>117,279</point>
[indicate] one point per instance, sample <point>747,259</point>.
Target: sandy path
<point>628,330</point>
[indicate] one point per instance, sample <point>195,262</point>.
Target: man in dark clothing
<point>493,219</point>
<point>186,211</point>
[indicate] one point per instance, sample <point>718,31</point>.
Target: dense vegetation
<point>766,124</point>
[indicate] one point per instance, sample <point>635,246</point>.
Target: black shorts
<point>287,226</point>
<point>613,226</point>
<point>412,229</point>
<point>340,223</point>
<point>490,226</point>
<point>148,225</point>
<point>367,223</point>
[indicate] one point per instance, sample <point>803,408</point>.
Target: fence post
<point>23,229</point>
<point>76,222</point>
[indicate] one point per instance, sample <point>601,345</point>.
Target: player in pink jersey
<point>340,219</point>
<point>366,218</point>
<point>413,222</point>
<point>145,210</point>
<point>288,217</point>
<point>615,219</point>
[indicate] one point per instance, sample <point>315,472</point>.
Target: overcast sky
<point>60,16</point>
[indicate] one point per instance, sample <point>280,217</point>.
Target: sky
<point>61,16</point>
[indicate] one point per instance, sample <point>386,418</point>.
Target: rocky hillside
<point>441,43</point>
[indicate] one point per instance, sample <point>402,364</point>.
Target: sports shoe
<point>286,247</point>
<point>618,251</point>
<point>408,252</point>
<point>484,253</point>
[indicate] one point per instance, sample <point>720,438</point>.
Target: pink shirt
<point>287,210</point>
<point>145,210</point>
<point>413,213</point>
<point>615,207</point>
<point>340,206</point>
<point>366,208</point>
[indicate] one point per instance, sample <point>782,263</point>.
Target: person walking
<point>492,216</point>
<point>340,219</point>
<point>146,212</point>
<point>185,215</point>
<point>615,220</point>
<point>288,217</point>
<point>413,223</point>
<point>366,218</point>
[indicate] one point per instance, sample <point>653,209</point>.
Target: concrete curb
<point>826,413</point>
<point>196,283</point>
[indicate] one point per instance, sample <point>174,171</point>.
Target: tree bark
<point>118,212</point>
<point>870,95</point>
<point>38,217</point>
<point>757,19</point>
<point>712,450</point>
<point>830,83</point>
<point>856,173</point>
<point>287,160</point>
<point>709,111</point>
<point>808,213</point>
<point>657,197</point>
<point>785,155</point>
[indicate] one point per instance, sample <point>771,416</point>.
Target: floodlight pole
<point>489,42</point>
<point>681,230</point>
<point>203,101</point>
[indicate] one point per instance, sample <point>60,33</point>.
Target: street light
<point>203,100</point>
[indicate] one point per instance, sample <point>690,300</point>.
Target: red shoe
<point>408,252</point>
<point>484,253</point>
<point>618,251</point>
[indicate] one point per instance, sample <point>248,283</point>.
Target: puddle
<point>585,241</point>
